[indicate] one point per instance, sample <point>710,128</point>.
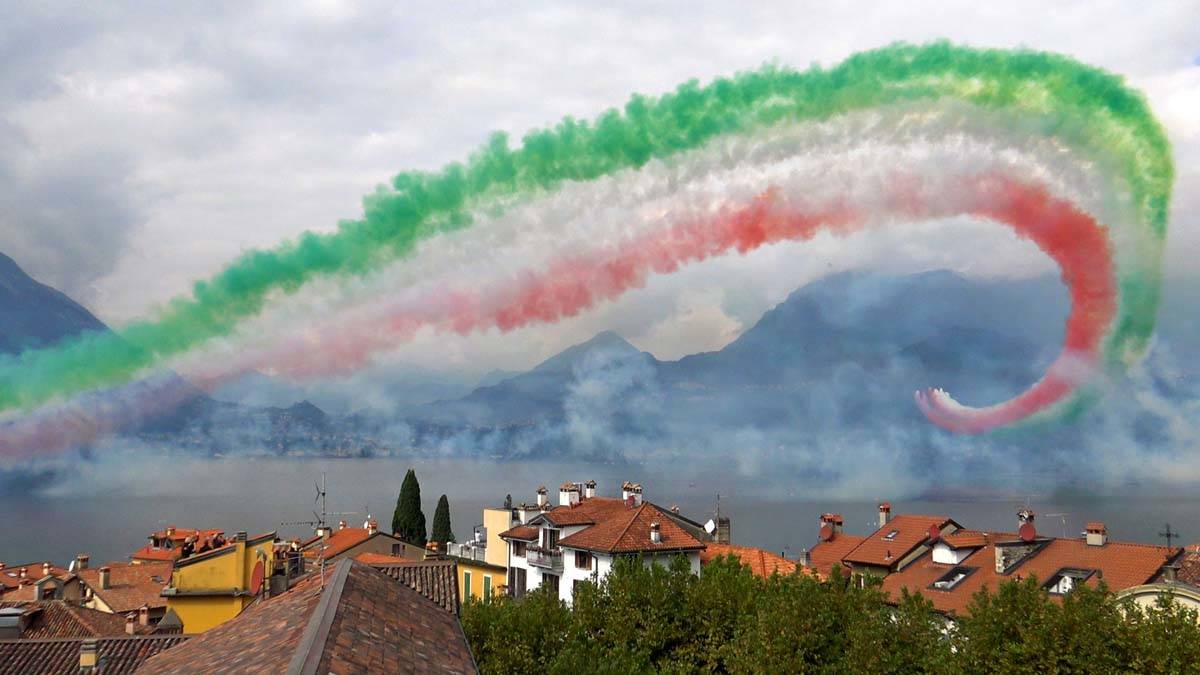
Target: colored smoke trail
<point>1086,109</point>
<point>1085,129</point>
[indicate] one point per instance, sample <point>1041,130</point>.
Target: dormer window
<point>952,578</point>
<point>891,536</point>
<point>1065,580</point>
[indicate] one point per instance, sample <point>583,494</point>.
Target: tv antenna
<point>1169,534</point>
<point>320,521</point>
<point>1062,516</point>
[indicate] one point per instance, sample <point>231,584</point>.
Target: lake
<point>109,508</point>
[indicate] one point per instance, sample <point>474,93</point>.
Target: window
<point>396,549</point>
<point>1065,579</point>
<point>516,581</point>
<point>487,585</point>
<point>583,560</point>
<point>519,549</point>
<point>467,584</point>
<point>551,538</point>
<point>551,581</point>
<point>891,536</point>
<point>952,578</point>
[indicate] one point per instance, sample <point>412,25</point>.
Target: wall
<point>216,588</point>
<point>478,572</point>
<point>497,521</point>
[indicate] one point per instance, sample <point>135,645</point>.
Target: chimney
<point>724,534</point>
<point>341,524</point>
<point>372,526</point>
<point>241,536</point>
<point>885,513</point>
<point>2,565</point>
<point>144,615</point>
<point>636,489</point>
<point>541,496</point>
<point>87,655</point>
<point>655,534</point>
<point>22,573</point>
<point>804,559</point>
<point>1097,534</point>
<point>130,623</point>
<point>45,569</point>
<point>81,561</point>
<point>568,494</point>
<point>1026,529</point>
<point>589,489</point>
<point>170,530</point>
<point>833,520</point>
<point>1169,572</point>
<point>104,578</point>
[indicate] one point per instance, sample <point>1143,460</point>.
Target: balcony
<point>546,559</point>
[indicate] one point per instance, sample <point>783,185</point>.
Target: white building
<point>579,539</point>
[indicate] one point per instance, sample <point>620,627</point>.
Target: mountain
<point>859,343</point>
<point>33,315</point>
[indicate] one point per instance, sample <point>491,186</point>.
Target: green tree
<point>408,521</point>
<point>442,533</point>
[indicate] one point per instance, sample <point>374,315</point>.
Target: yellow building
<point>496,521</point>
<point>210,588</point>
<point>478,579</point>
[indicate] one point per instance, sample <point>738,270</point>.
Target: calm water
<point>108,512</point>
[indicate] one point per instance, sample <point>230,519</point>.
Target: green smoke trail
<point>1092,111</point>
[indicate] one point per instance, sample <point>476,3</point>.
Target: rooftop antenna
<point>1169,534</point>
<point>1063,516</point>
<point>320,521</point>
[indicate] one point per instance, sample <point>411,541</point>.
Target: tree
<point>408,522</point>
<point>441,523</point>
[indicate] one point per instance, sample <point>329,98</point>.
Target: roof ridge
<point>637,512</point>
<point>307,657</point>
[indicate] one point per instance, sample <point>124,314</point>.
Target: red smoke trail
<point>574,284</point>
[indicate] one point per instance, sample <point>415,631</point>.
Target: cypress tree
<point>408,522</point>
<point>441,523</point>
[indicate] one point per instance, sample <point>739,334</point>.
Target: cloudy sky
<point>142,149</point>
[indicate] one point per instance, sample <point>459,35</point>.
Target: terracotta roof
<point>61,619</point>
<point>372,558</point>
<point>10,575</point>
<point>1189,566</point>
<point>1121,565</point>
<point>761,563</point>
<point>51,656</point>
<point>965,539</point>
<point>621,529</point>
<point>360,622</point>
<point>341,541</point>
<point>437,580</point>
<point>521,533</point>
<point>882,548</point>
<point>130,585</point>
<point>201,540</point>
<point>828,554</point>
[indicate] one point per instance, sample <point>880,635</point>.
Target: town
<point>361,597</point>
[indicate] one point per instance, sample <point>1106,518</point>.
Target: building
<point>1181,580</point>
<point>948,564</point>
<point>56,619</point>
<point>579,539</point>
<point>348,542</point>
<point>172,543</point>
<point>122,587</point>
<point>478,575</point>
<point>354,619</point>
<point>35,581</point>
<point>207,589</point>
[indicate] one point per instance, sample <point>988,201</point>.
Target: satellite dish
<point>935,533</point>
<point>710,526</point>
<point>1027,532</point>
<point>826,532</point>
<point>256,578</point>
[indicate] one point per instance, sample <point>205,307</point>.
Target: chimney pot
<point>170,530</point>
<point>1096,534</point>
<point>45,569</point>
<point>804,559</point>
<point>81,561</point>
<point>885,513</point>
<point>131,623</point>
<point>104,577</point>
<point>589,489</point>
<point>655,533</point>
<point>23,572</point>
<point>144,615</point>
<point>542,499</point>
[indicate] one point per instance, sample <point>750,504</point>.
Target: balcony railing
<point>468,552</point>
<point>540,557</point>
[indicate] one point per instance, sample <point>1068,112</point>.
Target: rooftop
<point>618,528</point>
<point>61,619</point>
<point>437,580</point>
<point>899,537</point>
<point>120,655</point>
<point>761,563</point>
<point>828,554</point>
<point>130,585</point>
<point>360,621</point>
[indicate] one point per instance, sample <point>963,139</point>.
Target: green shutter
<point>487,585</point>
<point>466,593</point>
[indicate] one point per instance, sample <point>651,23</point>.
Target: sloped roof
<point>341,541</point>
<point>1121,565</point>
<point>61,619</point>
<point>965,539</point>
<point>361,621</point>
<point>130,585</point>
<point>761,563</point>
<point>618,528</point>
<point>10,575</point>
<point>826,555</point>
<point>520,533</point>
<point>437,580</point>
<point>910,532</point>
<point>61,655</point>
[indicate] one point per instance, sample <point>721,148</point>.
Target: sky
<point>143,148</point>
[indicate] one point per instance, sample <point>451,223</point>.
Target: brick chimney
<point>542,499</point>
<point>1096,534</point>
<point>655,533</point>
<point>104,577</point>
<point>833,520</point>
<point>81,561</point>
<point>130,623</point>
<point>885,513</point>
<point>589,489</point>
<point>143,615</point>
